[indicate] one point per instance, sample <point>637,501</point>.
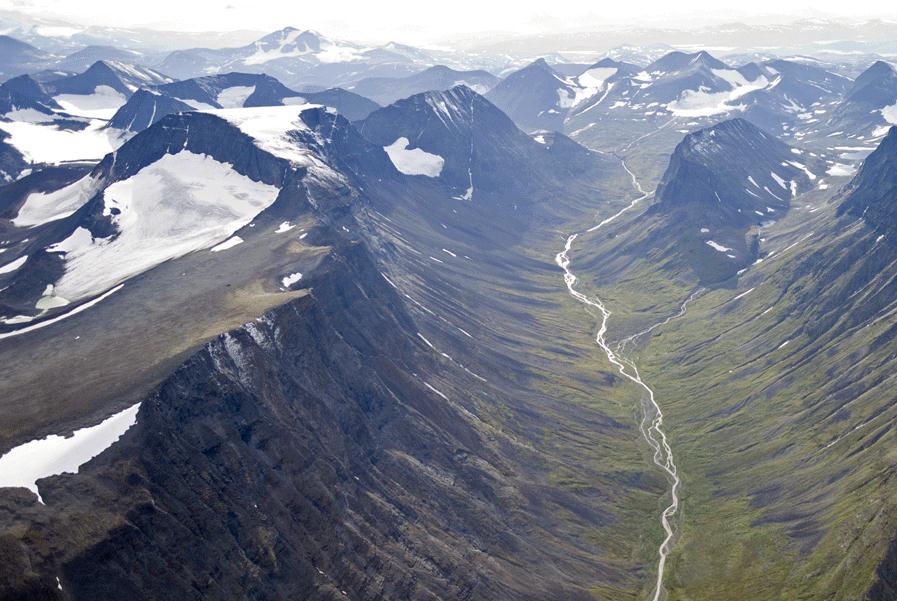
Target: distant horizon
<point>407,22</point>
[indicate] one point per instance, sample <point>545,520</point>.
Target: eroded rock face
<point>871,193</point>
<point>296,457</point>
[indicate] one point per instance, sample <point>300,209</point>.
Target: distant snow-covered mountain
<point>103,88</point>
<point>227,91</point>
<point>298,57</point>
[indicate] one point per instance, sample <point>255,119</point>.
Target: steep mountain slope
<point>870,106</point>
<point>871,193</point>
<point>121,77</point>
<point>722,186</point>
<point>386,90</point>
<point>440,130</point>
<point>18,58</point>
<point>328,446</point>
<point>12,163</point>
<point>535,97</point>
<point>790,443</point>
<point>102,89</point>
<point>143,109</point>
<point>798,96</point>
<point>23,92</point>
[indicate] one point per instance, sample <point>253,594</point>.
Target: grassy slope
<point>768,512</point>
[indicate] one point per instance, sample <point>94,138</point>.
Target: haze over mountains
<point>284,315</point>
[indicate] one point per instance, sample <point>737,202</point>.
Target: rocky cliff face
<point>328,446</point>
<point>302,455</point>
<point>873,191</point>
<point>722,185</point>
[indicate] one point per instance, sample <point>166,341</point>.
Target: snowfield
<point>329,52</point>
<point>13,265</point>
<point>270,127</point>
<point>415,161</point>
<point>25,464</point>
<point>841,170</point>
<point>235,96</point>
<point>47,143</point>
<point>890,113</point>
<point>102,104</point>
<point>229,243</point>
<point>43,207</point>
<point>703,103</point>
<point>181,203</point>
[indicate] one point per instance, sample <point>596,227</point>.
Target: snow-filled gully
<point>651,425</point>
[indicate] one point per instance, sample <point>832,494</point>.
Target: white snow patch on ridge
<point>181,203</point>
<point>24,465</point>
<point>47,143</point>
<point>234,96</point>
<point>704,103</point>
<point>102,104</point>
<point>890,113</point>
<point>592,81</point>
<point>42,207</point>
<point>229,243</point>
<point>289,280</point>
<point>415,161</point>
<point>270,127</point>
<point>717,247</point>
<point>13,265</point>
<point>841,170</point>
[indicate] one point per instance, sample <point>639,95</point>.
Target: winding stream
<point>651,425</point>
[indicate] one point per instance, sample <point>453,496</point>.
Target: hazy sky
<point>418,21</point>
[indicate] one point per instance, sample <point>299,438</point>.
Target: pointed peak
<point>880,66</point>
<point>100,66</point>
<point>679,61</point>
<point>734,125</point>
<point>606,62</point>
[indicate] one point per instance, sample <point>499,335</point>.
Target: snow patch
<point>270,127</point>
<point>27,463</point>
<point>291,279</point>
<point>717,247</point>
<point>13,265</point>
<point>102,104</point>
<point>47,143</point>
<point>42,207</point>
<point>234,97</point>
<point>703,103</point>
<point>415,161</point>
<point>841,170</point>
<point>229,243</point>
<point>890,113</point>
<point>181,203</point>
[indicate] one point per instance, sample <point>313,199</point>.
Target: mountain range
<point>308,318</point>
